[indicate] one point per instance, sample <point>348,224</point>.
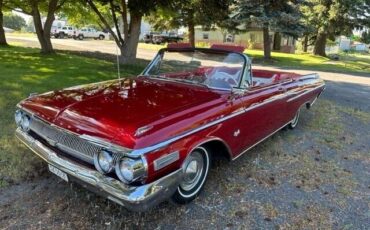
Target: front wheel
<point>196,167</point>
<point>101,37</point>
<point>295,120</point>
<point>80,37</point>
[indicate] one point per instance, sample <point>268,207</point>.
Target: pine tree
<point>281,16</point>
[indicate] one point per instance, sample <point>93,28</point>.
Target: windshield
<point>211,69</point>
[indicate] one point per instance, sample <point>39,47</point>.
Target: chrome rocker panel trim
<point>135,198</point>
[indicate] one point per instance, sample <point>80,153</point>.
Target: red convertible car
<point>142,140</point>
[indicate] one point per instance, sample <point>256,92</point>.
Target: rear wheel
<point>101,37</point>
<point>196,167</point>
<point>80,37</point>
<point>295,120</point>
<point>61,35</point>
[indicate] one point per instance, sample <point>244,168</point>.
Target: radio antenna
<point>118,67</point>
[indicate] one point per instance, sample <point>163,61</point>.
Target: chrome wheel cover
<point>193,171</point>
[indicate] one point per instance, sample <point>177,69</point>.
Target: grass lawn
<point>23,71</point>
<point>347,63</point>
<point>21,34</point>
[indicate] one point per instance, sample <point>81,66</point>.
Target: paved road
<point>85,45</point>
<point>349,89</point>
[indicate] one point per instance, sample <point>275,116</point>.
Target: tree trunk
<point>2,32</point>
<point>320,44</point>
<point>191,32</point>
<point>305,43</point>
<point>266,42</point>
<point>277,41</point>
<point>43,31</point>
<point>191,29</point>
<point>129,48</point>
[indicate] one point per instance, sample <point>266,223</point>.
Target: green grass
<point>23,71</point>
<point>21,34</point>
<point>149,46</point>
<point>347,63</point>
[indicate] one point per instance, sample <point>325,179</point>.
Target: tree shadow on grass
<point>24,71</point>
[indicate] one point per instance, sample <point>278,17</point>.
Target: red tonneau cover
<point>226,47</point>
<point>178,45</point>
<point>232,48</point>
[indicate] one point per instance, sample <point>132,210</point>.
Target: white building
<point>8,30</point>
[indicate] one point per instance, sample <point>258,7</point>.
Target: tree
<point>331,18</point>
<point>2,32</point>
<point>79,14</point>
<point>365,37</point>
<point>35,8</point>
<point>281,15</point>
<point>130,13</point>
<point>14,21</point>
<point>190,13</point>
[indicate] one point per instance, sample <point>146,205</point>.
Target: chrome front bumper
<point>136,198</point>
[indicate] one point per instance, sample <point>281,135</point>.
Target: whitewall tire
<point>196,167</point>
<point>295,120</point>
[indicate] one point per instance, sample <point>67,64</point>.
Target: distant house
<point>344,43</point>
<point>253,39</point>
<point>8,30</point>
<point>144,28</point>
<point>360,47</point>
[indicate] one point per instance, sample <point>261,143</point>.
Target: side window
<point>64,28</point>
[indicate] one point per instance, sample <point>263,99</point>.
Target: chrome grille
<point>65,141</point>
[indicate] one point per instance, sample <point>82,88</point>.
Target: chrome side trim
<point>138,152</point>
<point>166,160</point>
<point>304,93</point>
<point>246,150</point>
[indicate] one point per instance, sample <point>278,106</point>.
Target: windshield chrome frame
<point>245,73</point>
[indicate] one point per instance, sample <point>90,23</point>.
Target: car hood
<point>133,113</point>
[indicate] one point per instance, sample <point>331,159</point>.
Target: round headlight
<point>25,122</point>
<point>129,170</point>
<point>104,162</point>
<point>18,117</point>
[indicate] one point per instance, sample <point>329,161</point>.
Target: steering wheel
<point>225,76</point>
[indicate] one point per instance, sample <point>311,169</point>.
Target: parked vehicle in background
<point>160,38</point>
<point>148,37</point>
<point>64,32</point>
<point>89,33</point>
<point>139,141</point>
